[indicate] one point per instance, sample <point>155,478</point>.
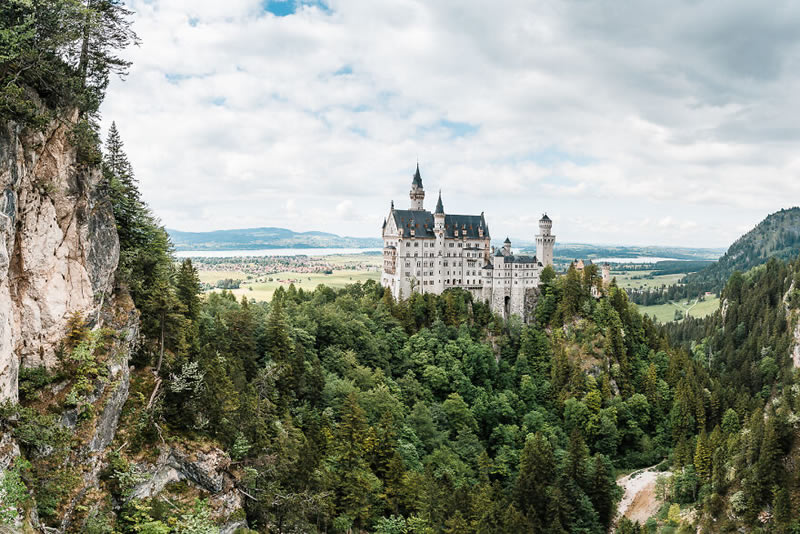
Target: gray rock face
<point>58,246</point>
<point>205,469</point>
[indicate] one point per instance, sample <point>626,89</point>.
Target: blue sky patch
<point>344,71</point>
<point>175,79</point>
<point>284,8</point>
<point>280,8</point>
<point>458,129</point>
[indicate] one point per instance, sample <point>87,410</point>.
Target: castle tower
<point>438,217</point>
<point>439,231</point>
<point>545,241</point>
<point>507,247</point>
<point>417,193</point>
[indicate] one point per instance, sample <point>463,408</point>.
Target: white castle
<point>430,252</point>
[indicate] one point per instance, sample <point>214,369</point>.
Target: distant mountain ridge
<point>778,236</point>
<point>265,238</point>
<point>570,251</point>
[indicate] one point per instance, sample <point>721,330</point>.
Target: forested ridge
<point>348,411</point>
<point>777,236</point>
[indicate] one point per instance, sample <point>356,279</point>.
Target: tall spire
<point>417,178</point>
<point>439,205</point>
<point>417,193</point>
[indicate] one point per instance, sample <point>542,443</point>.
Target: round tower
<point>417,193</point>
<point>545,241</point>
<point>439,231</point>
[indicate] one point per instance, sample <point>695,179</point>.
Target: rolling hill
<point>776,236</point>
<point>264,238</point>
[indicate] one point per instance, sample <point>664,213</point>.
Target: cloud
<point>344,209</point>
<point>313,114</point>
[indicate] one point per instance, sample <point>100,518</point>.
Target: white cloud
<point>604,114</point>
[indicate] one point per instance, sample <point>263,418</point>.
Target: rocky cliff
<point>58,245</point>
<point>61,317</point>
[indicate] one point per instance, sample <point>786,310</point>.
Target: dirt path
<point>639,501</point>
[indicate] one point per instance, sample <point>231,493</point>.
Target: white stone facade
<point>430,252</point>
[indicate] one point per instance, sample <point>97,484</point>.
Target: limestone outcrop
<point>58,245</point>
<point>207,469</point>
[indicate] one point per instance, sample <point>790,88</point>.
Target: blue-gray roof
<point>417,178</point>
<point>422,222</point>
<point>519,259</point>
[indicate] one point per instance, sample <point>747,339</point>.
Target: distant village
<point>258,266</point>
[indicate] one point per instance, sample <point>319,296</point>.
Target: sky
<point>627,122</point>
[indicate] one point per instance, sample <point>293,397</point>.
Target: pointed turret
<point>439,205</point>
<point>417,181</point>
<point>417,193</point>
<point>507,247</point>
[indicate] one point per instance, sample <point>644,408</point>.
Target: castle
<point>430,252</point>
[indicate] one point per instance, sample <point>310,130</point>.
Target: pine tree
<point>117,163</point>
<point>782,509</point>
<point>702,457</point>
<point>577,454</point>
<point>537,473</point>
<point>356,486</point>
<point>130,213</point>
<point>601,487</point>
<point>105,30</point>
<point>768,467</point>
<point>279,344</point>
<point>187,285</point>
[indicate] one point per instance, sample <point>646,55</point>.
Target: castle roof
<point>519,259</point>
<point>423,223</point>
<point>417,178</point>
<point>545,218</point>
<point>439,206</point>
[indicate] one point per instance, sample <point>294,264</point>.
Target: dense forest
<point>348,411</point>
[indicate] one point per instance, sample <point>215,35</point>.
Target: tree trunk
<point>161,353</point>
<point>83,63</point>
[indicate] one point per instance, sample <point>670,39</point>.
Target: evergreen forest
<point>349,411</point>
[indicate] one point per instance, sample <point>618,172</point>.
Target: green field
<point>263,290</point>
<point>211,277</point>
<point>629,280</point>
<point>350,259</point>
<point>665,313</point>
